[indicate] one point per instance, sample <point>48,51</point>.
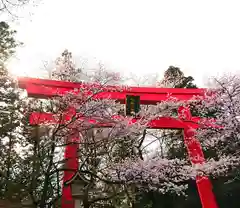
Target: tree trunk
<point>9,163</point>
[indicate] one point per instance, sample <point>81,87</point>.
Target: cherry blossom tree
<point>222,133</point>
<point>219,132</point>
<point>104,133</point>
<point>66,69</point>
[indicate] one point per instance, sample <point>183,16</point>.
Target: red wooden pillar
<point>71,157</point>
<point>197,157</point>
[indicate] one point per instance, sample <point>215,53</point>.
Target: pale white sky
<point>141,36</point>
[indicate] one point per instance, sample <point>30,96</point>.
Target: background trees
<point>113,159</point>
<point>175,78</point>
<point>8,6</point>
<point>10,125</point>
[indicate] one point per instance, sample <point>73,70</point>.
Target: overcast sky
<point>141,36</point>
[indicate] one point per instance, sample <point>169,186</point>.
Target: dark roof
<point>77,176</point>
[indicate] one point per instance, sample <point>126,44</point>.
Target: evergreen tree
<point>10,116</point>
<point>175,78</point>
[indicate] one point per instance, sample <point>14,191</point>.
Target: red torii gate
<point>42,88</point>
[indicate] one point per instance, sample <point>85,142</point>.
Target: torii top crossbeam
<point>41,88</point>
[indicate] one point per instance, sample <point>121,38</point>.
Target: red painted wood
<point>23,81</point>
<point>71,157</point>
<point>145,99</point>
<point>48,88</point>
<point>160,123</point>
<point>196,156</point>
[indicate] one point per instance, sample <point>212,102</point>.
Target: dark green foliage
<point>10,119</point>
<point>155,200</point>
<point>174,78</point>
<point>8,43</point>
